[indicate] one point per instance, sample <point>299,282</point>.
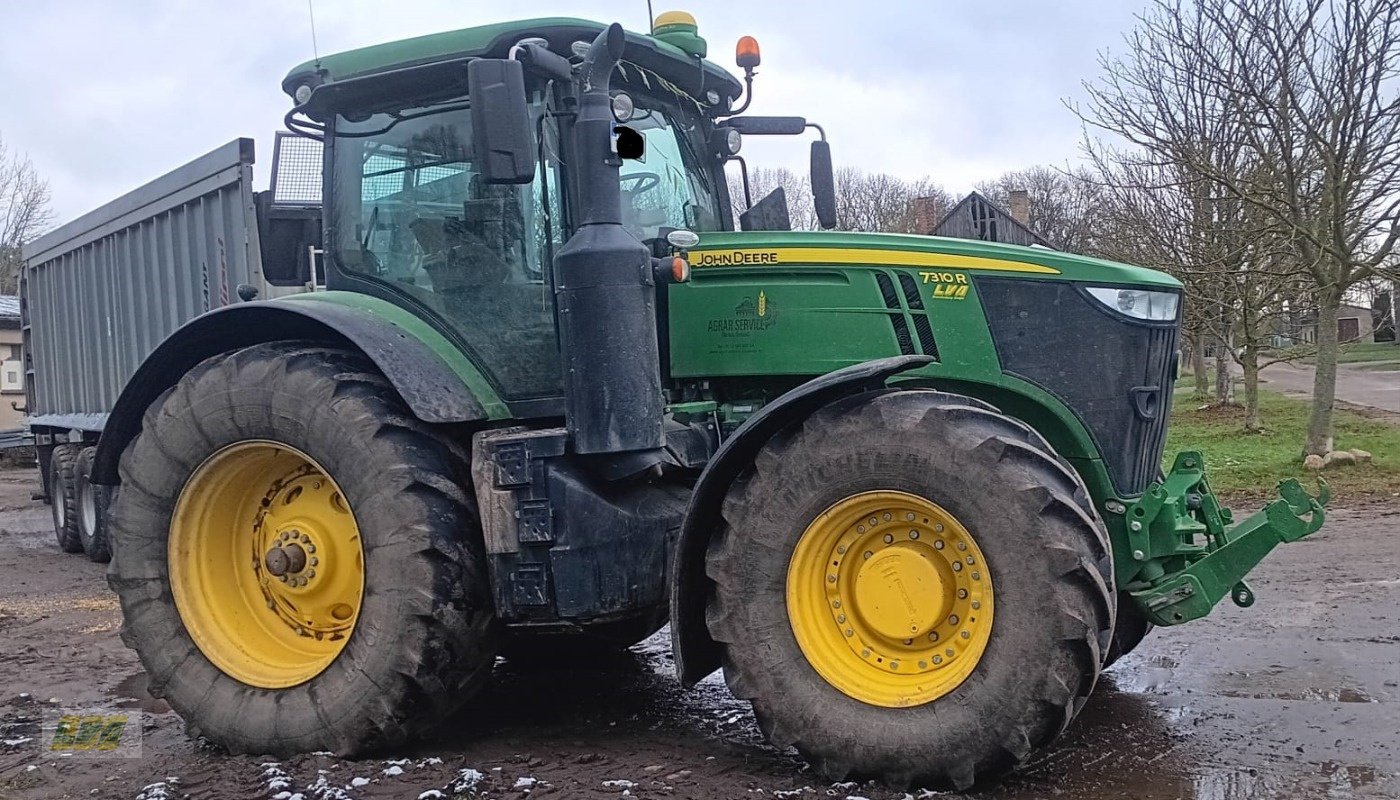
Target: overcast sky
<point>104,96</point>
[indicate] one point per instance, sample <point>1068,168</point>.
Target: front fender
<point>437,382</point>
<point>696,653</point>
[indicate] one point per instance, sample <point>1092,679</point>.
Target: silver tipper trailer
<point>98,294</point>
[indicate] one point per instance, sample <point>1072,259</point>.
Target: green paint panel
<point>414,326</point>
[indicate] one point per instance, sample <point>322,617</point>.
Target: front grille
<point>1113,372</point>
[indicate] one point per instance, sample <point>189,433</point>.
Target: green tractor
<point>905,491</point>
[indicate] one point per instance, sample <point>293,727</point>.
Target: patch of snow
<point>431,794</point>
<point>618,784</point>
<point>323,789</point>
<point>524,783</point>
<point>785,793</point>
<point>17,742</point>
<point>277,779</point>
<point>160,790</point>
<point>466,780</point>
<point>31,768</point>
<point>358,782</point>
<point>431,761</point>
<point>394,770</point>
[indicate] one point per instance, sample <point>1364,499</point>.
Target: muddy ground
<point>1297,697</point>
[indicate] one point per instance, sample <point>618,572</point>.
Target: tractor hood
<point>961,256</point>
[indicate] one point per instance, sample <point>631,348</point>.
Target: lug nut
<point>965,635</point>
<point>868,554</point>
<point>894,665</point>
<point>909,516</point>
<point>938,545</point>
<point>962,594</point>
<point>913,534</point>
<point>889,538</point>
<point>850,632</point>
<point>957,566</point>
<point>976,604</point>
<point>938,659</point>
<point>938,527</point>
<point>831,579</point>
<point>953,620</point>
<point>841,618</point>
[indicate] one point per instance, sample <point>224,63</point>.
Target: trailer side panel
<point>102,291</point>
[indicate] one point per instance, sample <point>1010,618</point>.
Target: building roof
<point>976,217</point>
<point>9,306</point>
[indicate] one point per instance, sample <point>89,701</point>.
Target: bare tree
<point>1065,205</point>
<point>1311,85</point>
<point>865,201</point>
<point>24,212</point>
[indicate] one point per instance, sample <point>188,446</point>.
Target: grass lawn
<point>1246,467</point>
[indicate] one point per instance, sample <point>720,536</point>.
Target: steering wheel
<point>645,182</point>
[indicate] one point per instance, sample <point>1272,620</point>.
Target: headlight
<point>733,141</point>
<point>1139,303</point>
<point>623,108</point>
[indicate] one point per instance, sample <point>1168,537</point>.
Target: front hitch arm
<point>1187,579</point>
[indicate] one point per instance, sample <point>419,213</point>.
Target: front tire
<point>297,561</point>
<point>911,586</point>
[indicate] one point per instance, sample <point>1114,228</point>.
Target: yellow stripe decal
<point>836,255</point>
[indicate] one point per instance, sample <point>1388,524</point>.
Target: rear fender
<point>433,377</point>
<point>697,654</point>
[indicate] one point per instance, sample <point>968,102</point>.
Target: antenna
<point>651,18</point>
<point>315,49</point>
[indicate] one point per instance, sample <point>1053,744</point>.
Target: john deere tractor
<point>907,492</point>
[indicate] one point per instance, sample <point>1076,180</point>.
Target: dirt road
<point>1355,384</point>
<point>1297,697</point>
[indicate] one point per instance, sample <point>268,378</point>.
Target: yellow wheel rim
<point>890,599</point>
<point>266,565</point>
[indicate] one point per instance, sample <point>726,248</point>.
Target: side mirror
<point>823,184</point>
<point>503,135</point>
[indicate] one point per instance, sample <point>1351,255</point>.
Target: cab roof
<point>693,75</point>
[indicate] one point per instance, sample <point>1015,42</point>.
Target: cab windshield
<point>671,186</point>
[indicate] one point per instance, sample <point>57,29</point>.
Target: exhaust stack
<point>604,288</point>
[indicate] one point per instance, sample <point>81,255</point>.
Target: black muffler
<point>604,288</point>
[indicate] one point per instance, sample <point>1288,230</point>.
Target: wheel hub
<point>899,593</point>
<point>281,609</point>
<point>890,598</point>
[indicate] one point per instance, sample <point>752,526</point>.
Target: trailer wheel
<point>298,563</point>
<point>63,497</point>
<point>92,509</point>
<point>1131,629</point>
<point>911,586</point>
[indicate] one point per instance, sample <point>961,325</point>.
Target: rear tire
<point>63,496</point>
<point>1044,550</point>
<point>92,509</point>
<point>422,635</point>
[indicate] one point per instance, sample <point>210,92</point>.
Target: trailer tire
<point>979,487</point>
<point>382,494</point>
<point>63,496</point>
<point>92,509</point>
